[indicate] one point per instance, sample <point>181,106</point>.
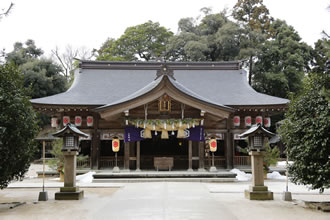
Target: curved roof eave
<point>151,86</point>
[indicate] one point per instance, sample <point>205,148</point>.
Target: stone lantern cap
<point>70,129</point>
<point>256,129</point>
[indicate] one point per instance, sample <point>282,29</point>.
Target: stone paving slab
<point>160,200</point>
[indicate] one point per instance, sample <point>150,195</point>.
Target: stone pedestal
<point>43,196</point>
<point>213,169</point>
<point>286,196</point>
<point>116,170</point>
<point>258,191</point>
<point>69,191</point>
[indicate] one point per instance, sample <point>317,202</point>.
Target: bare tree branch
<point>67,59</point>
<point>6,13</point>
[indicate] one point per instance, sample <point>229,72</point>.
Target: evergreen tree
<point>282,62</point>
<point>145,41</point>
<point>17,126</point>
<point>305,132</point>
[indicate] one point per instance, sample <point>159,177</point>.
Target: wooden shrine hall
<point>163,113</point>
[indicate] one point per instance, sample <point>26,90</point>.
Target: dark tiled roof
<point>148,88</point>
<point>254,129</point>
<point>102,83</point>
<point>72,128</point>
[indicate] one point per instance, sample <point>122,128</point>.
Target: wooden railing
<point>107,162</point>
<point>242,161</point>
<point>83,163</point>
<point>219,161</point>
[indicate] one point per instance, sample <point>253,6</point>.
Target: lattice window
<point>69,141</point>
<point>257,141</point>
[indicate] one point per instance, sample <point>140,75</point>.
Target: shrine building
<point>161,110</point>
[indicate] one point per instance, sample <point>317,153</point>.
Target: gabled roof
<point>257,128</point>
<point>69,128</point>
<point>101,83</point>
<point>148,88</point>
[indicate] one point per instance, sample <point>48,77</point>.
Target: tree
<point>305,132</point>
<point>145,41</point>
<point>321,56</point>
<point>214,38</point>
<point>254,16</point>
<point>68,59</point>
<point>42,75</point>
<point>7,11</point>
<point>18,126</point>
<point>282,62</point>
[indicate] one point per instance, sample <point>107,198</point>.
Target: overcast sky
<point>89,23</point>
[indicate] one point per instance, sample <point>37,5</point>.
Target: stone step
<point>142,180</point>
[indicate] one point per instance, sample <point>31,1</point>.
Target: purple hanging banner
<point>133,134</point>
<point>196,134</point>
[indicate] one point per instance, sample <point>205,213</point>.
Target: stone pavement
<point>162,200</point>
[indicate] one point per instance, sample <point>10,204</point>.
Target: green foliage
<point>254,14</point>
<point>57,163</point>
<point>215,38</point>
<point>271,156</point>
<point>18,126</point>
<point>145,41</point>
<point>41,75</point>
<point>305,132</point>
<point>282,62</point>
<point>321,56</point>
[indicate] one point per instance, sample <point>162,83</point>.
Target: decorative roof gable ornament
<point>164,70</point>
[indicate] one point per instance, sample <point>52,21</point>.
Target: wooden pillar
<point>138,156</point>
<point>201,154</point>
<point>190,156</point>
<point>126,156</point>
<point>229,146</point>
<point>95,148</point>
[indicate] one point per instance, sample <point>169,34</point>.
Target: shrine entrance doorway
<point>156,153</point>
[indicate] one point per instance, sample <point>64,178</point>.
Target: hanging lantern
<point>164,134</point>
<point>259,120</point>
<point>248,121</point>
<point>213,144</point>
<point>77,120</point>
<point>115,144</point>
<point>267,122</point>
<point>54,122</point>
<point>66,120</point>
<point>90,121</point>
<point>237,121</point>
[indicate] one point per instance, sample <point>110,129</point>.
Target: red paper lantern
<point>77,120</point>
<point>90,121</point>
<point>267,122</point>
<point>259,120</point>
<point>115,145</point>
<point>66,120</point>
<point>248,121</point>
<point>213,145</point>
<point>237,121</point>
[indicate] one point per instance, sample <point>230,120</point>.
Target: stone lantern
<point>257,136</point>
<point>70,135</point>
